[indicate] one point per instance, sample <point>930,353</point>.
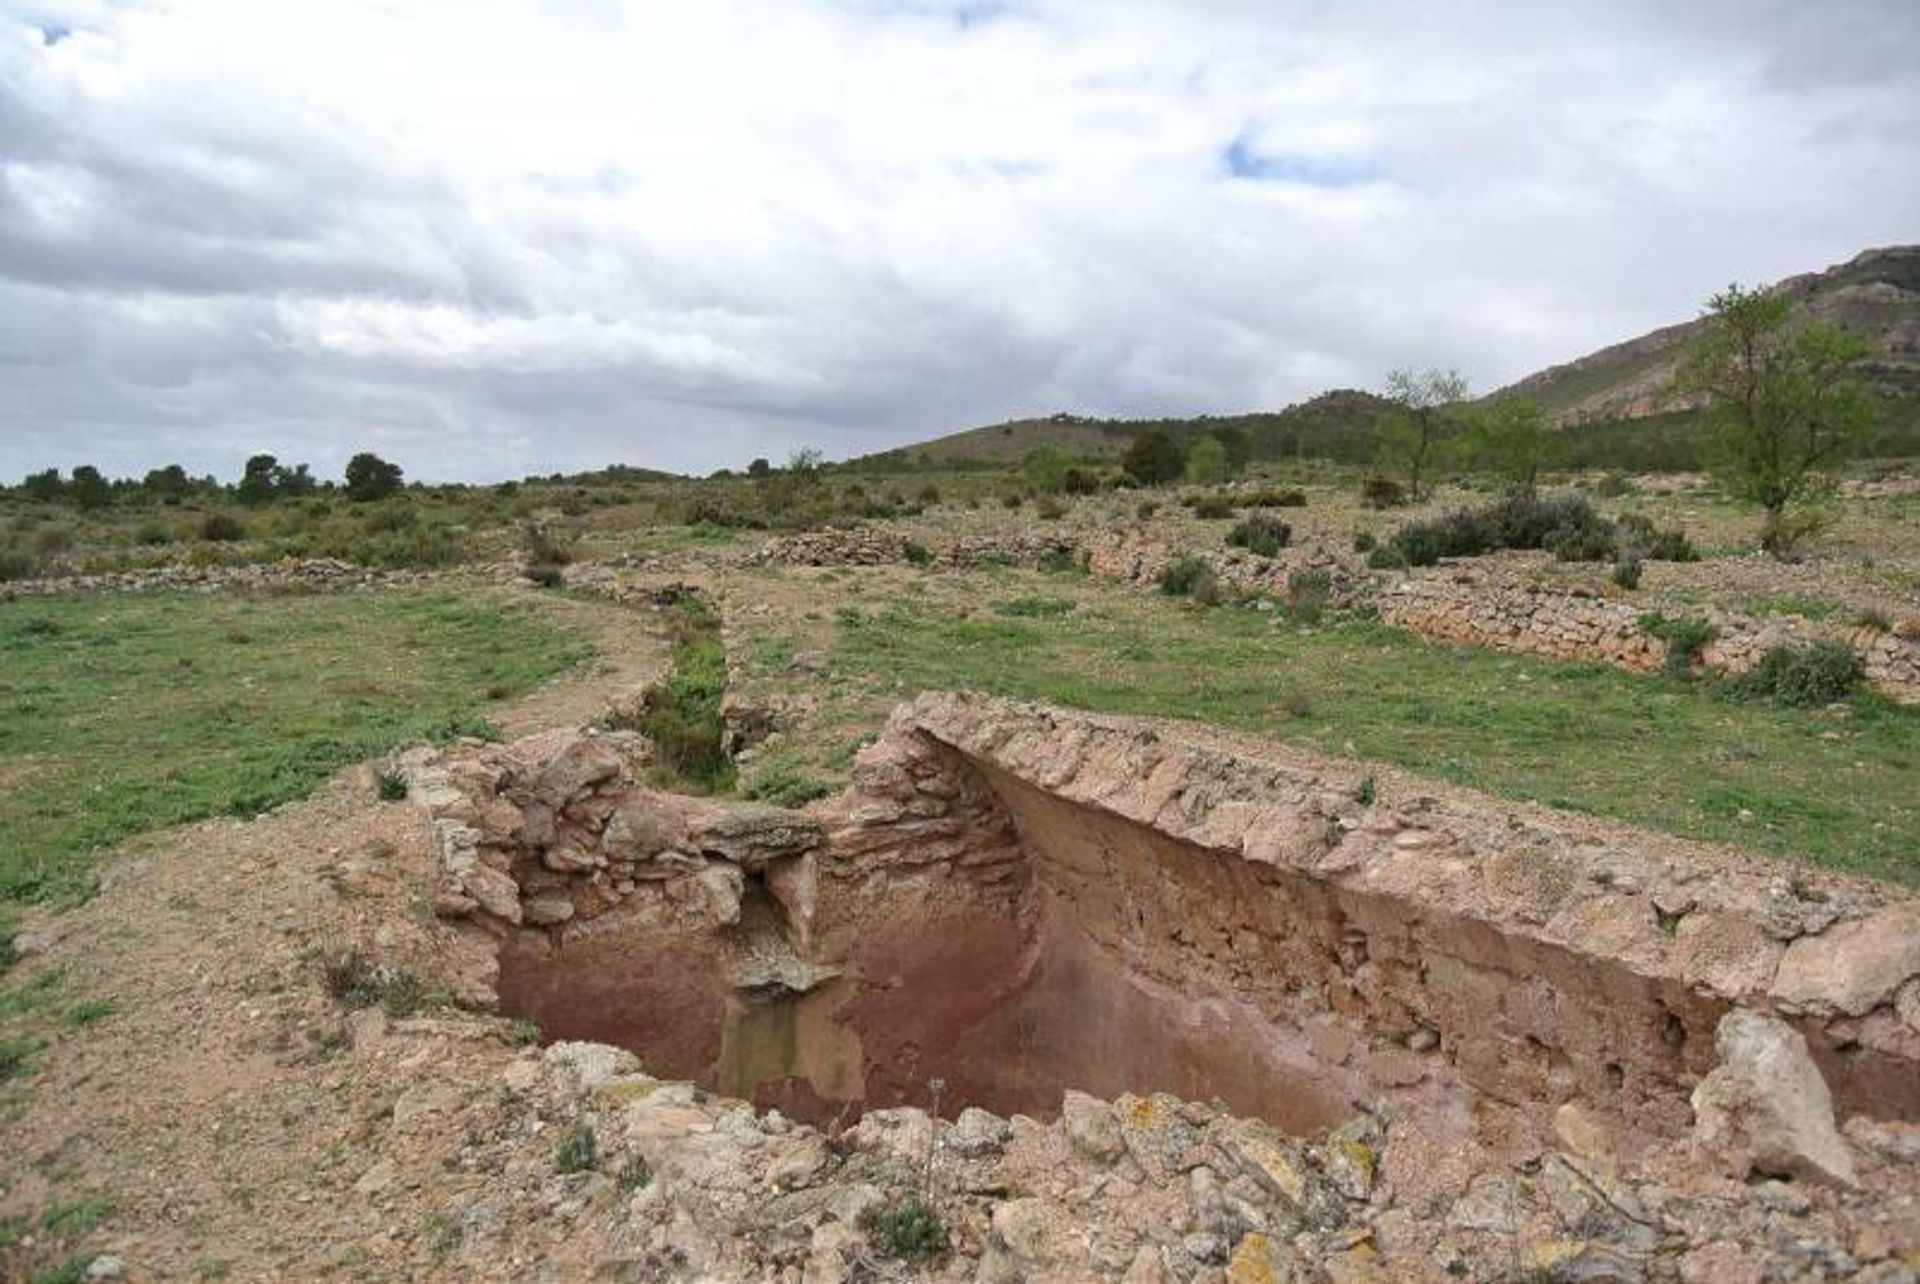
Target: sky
<point>488,239</point>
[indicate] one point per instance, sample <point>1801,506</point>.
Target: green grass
<point>1669,755</point>
<point>125,714</point>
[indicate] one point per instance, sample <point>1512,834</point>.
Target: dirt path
<point>228,1118</point>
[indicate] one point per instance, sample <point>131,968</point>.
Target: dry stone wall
<point>1457,605</point>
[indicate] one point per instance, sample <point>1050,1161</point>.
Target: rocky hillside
<point>1877,292</point>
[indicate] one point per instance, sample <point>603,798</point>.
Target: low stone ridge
<point>1442,1036</point>
<point>320,573</point>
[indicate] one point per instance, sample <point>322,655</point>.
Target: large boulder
<point>1852,967</point>
<point>1766,1107</point>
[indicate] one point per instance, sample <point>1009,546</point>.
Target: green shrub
<point>152,534</point>
<point>1614,485</point>
<point>1308,593</point>
<point>1049,509</point>
<point>1011,500</point>
<point>546,575</point>
<point>681,715</point>
<point>907,1229</point>
<point>578,1151</point>
<point>18,564</point>
<point>1182,577</point>
<point>1260,533</point>
<point>1387,558</point>
<point>547,545</point>
<point>1382,492</point>
<point>1212,508</point>
<point>221,528</point>
<point>1804,677</point>
<point>1626,572</point>
<point>1685,638</point>
<point>1289,497</point>
<point>390,786</point>
<point>916,553</point>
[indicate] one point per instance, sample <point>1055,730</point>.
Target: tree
<point>259,481</point>
<point>1046,469</point>
<point>371,477</point>
<point>1207,462</point>
<point>1154,458</point>
<point>90,489</point>
<point>1413,430</point>
<point>759,468</point>
<point>170,482</point>
<point>1784,409</point>
<point>1510,439</point>
<point>45,486</point>
<point>1239,447</point>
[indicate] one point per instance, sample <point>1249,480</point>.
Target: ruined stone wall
<point>1568,626</point>
<point>1011,898</point>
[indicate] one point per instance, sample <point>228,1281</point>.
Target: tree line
<point>263,480</point>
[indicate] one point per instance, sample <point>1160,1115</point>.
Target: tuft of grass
<point>90,1011</point>
<point>681,715</point>
<point>908,1229</point>
<point>1033,606</point>
<point>16,1057</point>
<point>579,1150</point>
<point>634,1175</point>
<point>137,716</point>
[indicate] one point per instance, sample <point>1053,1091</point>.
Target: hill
<point>1333,425</point>
<point>1876,293</point>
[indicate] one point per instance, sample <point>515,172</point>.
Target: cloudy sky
<point>488,238</point>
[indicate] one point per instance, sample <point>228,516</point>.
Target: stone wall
<point>1462,606</point>
<point>1493,1021</point>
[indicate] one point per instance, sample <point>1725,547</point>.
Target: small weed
<point>76,1218</point>
<point>1367,791</point>
<point>390,786</point>
<point>579,1150</point>
<point>525,1031</point>
<point>81,1015</point>
<point>917,553</point>
<point>16,1058</point>
<point>908,1230</point>
<point>1873,619</point>
<point>1626,572</point>
<point>1034,607</point>
<point>633,1175</point>
<point>357,982</point>
<point>1308,593</point>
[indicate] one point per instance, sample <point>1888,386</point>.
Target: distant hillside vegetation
<point>1334,425</point>
<point>1876,293</point>
<point>1612,406</point>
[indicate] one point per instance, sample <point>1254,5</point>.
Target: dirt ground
<point>288,1144</point>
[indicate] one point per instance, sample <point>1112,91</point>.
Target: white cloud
<point>495,238</point>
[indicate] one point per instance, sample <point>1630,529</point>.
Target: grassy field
<point>124,714</point>
<point>1672,756</point>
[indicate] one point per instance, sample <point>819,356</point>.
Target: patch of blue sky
<point>1241,159</point>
